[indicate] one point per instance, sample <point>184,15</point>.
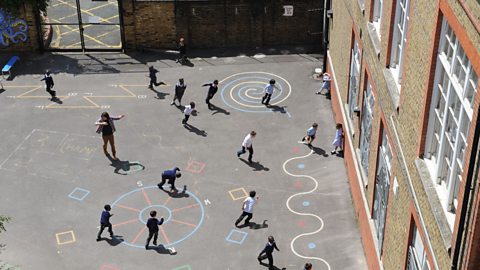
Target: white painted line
<point>18,147</point>
<point>304,214</point>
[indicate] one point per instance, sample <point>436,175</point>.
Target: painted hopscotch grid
<point>78,194</point>
<point>65,238</point>
<point>238,193</point>
<point>236,237</point>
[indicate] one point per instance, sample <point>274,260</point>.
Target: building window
<point>382,187</point>
<point>454,91</point>
<point>354,79</point>
<point>377,16</point>
<point>417,256</point>
<point>400,27</point>
<point>366,128</point>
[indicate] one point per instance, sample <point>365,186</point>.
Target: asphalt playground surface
<point>55,179</point>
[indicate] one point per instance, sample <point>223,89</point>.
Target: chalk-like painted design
<point>12,30</point>
<point>320,220</point>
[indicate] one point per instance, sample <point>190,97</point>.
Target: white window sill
<point>443,218</point>
<point>392,87</point>
<point>374,38</point>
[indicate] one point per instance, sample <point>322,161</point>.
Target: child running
<point>189,109</point>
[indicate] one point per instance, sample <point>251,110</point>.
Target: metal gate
<point>87,25</point>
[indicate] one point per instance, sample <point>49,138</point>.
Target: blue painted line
<point>202,215</point>
<point>312,246</point>
<point>239,242</point>
<point>301,166</point>
<point>81,197</point>
<point>289,115</point>
<point>276,96</point>
<point>222,94</point>
<point>306,203</point>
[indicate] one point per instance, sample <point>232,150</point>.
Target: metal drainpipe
<point>460,243</point>
<point>325,38</point>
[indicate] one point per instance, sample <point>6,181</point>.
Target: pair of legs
<point>262,257</point>
<point>150,235</point>
<point>153,81</point>
<point>309,139</point>
<point>242,216</point>
<point>185,120</point>
<point>177,97</point>
<point>109,139</point>
<point>51,92</point>
<point>340,149</point>
<point>266,99</point>
<point>243,151</point>
<point>164,180</point>
<point>102,227</point>
<point>182,58</point>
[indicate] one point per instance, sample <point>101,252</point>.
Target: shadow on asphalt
<point>123,165</point>
<point>195,130</point>
<point>257,166</point>
<point>319,151</point>
<point>115,241</point>
<point>160,249</point>
<point>217,109</point>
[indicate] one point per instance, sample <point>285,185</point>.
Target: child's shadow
<point>123,165</point>
<point>161,249</point>
<point>195,130</point>
<point>160,95</point>
<point>217,109</point>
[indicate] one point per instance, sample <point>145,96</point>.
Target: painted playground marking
<point>87,98</point>
<point>304,214</point>
<point>244,91</point>
<point>236,237</point>
<point>195,166</point>
<point>65,238</point>
<point>149,198</point>
<point>79,194</point>
<point>108,267</point>
<point>233,192</point>
<point>183,267</point>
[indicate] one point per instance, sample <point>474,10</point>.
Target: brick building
<point>158,24</point>
<point>405,87</point>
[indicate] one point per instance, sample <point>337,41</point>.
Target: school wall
<point>404,116</point>
<point>220,23</point>
<point>31,44</point>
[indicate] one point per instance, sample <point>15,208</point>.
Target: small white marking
<point>142,96</point>
<point>105,107</point>
<point>139,184</point>
<point>207,202</point>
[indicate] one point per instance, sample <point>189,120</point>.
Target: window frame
<point>368,110</point>
<point>377,16</point>
<point>450,103</point>
<point>354,77</point>
<point>399,40</point>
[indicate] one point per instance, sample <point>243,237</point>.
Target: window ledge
<point>372,33</point>
<point>435,204</point>
<point>392,88</point>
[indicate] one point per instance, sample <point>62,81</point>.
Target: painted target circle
<point>183,215</point>
<point>244,91</point>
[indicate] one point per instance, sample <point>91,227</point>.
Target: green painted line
<point>183,267</point>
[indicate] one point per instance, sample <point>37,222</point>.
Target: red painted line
<point>183,222</point>
<point>125,222</point>
<point>138,235</point>
<point>186,207</point>
<point>164,235</point>
<point>166,201</point>
<point>127,207</point>
<point>146,197</point>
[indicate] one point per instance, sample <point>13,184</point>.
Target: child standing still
<point>179,91</point>
<point>189,109</point>
<point>152,225</point>
<point>338,141</point>
<point>327,78</point>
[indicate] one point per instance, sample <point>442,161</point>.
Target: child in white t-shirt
<point>189,109</point>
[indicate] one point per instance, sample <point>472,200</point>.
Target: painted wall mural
<point>12,30</point>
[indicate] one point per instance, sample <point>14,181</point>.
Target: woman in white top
<point>247,144</point>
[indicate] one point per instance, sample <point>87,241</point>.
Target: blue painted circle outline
<point>202,216</point>
<point>276,96</point>
<point>140,215</point>
<point>222,94</point>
